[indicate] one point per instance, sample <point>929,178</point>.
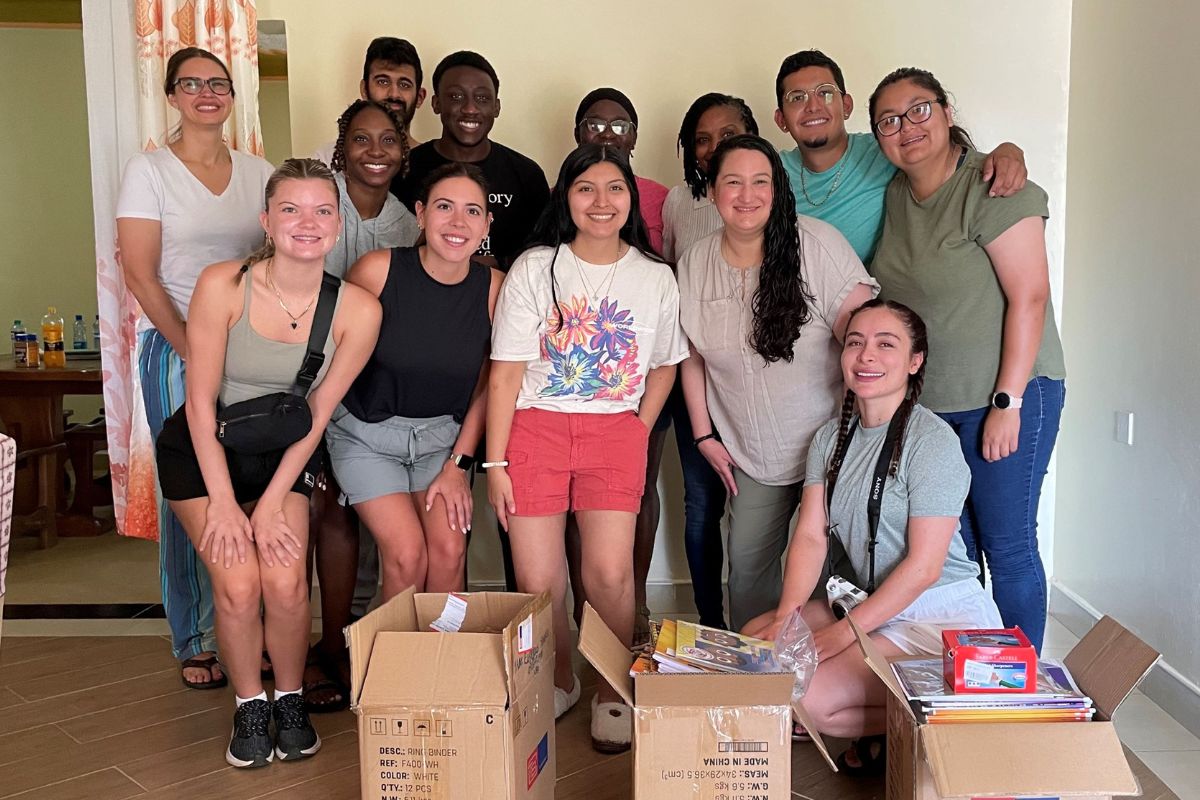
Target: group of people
<point>863,312</point>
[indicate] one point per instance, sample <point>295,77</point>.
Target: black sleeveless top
<point>432,342</point>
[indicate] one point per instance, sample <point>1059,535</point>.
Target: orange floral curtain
<point>229,30</point>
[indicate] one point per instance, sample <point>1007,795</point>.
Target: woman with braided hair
<point>371,148</point>
<point>925,581</point>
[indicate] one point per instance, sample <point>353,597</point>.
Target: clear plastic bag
<point>796,653</point>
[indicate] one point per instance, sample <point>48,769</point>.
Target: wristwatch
<point>463,462</point>
<point>1003,400</point>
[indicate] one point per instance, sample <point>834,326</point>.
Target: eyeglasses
<point>196,85</point>
<point>922,111</point>
<point>619,127</point>
<point>826,93</point>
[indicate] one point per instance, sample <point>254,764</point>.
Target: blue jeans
<point>999,519</point>
<point>703,509</point>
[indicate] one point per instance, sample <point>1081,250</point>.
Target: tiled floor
<point>1168,748</point>
<point>68,573</point>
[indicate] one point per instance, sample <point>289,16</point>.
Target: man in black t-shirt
<point>466,98</point>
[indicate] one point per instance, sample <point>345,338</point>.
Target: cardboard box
<point>699,736</point>
<point>1061,759</point>
<point>994,660</point>
<point>455,715</point>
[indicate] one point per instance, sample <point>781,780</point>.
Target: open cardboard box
<point>1061,759</point>
<point>699,735</point>
<point>455,715</point>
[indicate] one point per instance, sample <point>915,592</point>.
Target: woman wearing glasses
<point>764,303</point>
<point>606,116</point>
<point>182,207</point>
<point>975,268</point>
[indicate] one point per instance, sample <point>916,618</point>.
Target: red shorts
<point>562,462</point>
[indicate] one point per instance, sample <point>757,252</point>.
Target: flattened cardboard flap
<point>396,614</point>
<point>802,715</point>
<point>435,669</point>
<point>1108,663</point>
<point>1027,759</point>
<point>601,647</point>
<point>878,663</point>
<point>526,626</point>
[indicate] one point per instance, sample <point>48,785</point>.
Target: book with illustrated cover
<point>923,680</point>
<point>724,651</point>
<point>664,650</point>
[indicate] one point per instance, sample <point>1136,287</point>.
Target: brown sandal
<point>205,663</point>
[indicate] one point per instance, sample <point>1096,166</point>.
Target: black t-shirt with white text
<point>517,193</point>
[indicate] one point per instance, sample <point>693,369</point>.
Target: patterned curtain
<point>158,28</point>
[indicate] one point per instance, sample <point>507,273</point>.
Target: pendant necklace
<point>605,284</point>
<point>294,317</point>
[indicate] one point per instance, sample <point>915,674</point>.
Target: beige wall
<point>1127,521</point>
<point>48,255</point>
<point>274,115</point>
<point>1006,63</point>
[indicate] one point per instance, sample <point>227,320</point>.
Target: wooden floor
<point>106,718</point>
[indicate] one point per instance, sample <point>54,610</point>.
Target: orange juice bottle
<point>54,352</point>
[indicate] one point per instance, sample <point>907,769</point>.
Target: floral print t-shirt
<point>618,323</point>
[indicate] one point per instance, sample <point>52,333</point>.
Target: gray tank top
<point>257,366</point>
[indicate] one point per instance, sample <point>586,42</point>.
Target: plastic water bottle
<point>96,334</point>
<point>18,329</point>
<point>54,353</point>
<point>80,335</point>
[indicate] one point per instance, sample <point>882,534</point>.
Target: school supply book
<point>923,681</point>
<point>723,651</point>
<point>664,650</point>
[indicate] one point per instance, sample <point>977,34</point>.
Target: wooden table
<point>31,406</point>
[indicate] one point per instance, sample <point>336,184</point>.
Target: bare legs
<point>539,555</point>
<point>238,593</point>
<point>416,547</point>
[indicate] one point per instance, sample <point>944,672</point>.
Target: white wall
<point>1127,523</point>
<point>1006,63</point>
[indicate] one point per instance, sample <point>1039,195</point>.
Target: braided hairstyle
<point>338,162</point>
<point>781,303</point>
<point>919,338</point>
<point>693,176</point>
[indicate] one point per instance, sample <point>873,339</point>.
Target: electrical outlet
<point>1123,431</point>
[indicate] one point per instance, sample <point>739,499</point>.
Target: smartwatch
<point>1003,400</point>
<point>462,462</point>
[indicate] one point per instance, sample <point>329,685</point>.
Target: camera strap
<point>874,496</point>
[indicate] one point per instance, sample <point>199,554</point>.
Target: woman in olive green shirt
<point>975,269</point>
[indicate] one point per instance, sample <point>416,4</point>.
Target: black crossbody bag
<point>277,421</point>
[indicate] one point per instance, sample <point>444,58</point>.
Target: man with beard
<point>466,97</point>
<point>841,177</point>
<point>392,76</point>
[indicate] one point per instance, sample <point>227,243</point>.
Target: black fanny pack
<point>279,420</point>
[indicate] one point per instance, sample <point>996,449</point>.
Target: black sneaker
<point>294,734</point>
<point>250,744</point>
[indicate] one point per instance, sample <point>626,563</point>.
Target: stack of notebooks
<point>1057,699</point>
<point>678,646</point>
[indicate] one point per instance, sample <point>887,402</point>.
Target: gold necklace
<point>295,317</point>
<point>605,284</point>
<point>837,180</point>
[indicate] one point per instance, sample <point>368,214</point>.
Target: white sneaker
<point>564,700</point>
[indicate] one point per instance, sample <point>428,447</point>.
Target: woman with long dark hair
<point>975,267</point>
<point>688,216</point>
<point>913,563</point>
<point>764,302</point>
<point>584,348</point>
<point>182,207</point>
<point>250,330</point>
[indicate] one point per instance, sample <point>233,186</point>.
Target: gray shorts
<point>373,459</point>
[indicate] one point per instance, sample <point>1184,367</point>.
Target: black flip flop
<point>328,682</point>
<point>872,760</point>
<point>205,663</point>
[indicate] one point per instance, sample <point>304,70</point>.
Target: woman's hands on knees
<point>227,533</point>
<point>455,490</point>
<point>276,540</point>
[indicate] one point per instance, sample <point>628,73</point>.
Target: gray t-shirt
<point>931,480</point>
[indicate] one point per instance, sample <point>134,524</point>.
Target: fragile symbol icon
<point>400,727</point>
